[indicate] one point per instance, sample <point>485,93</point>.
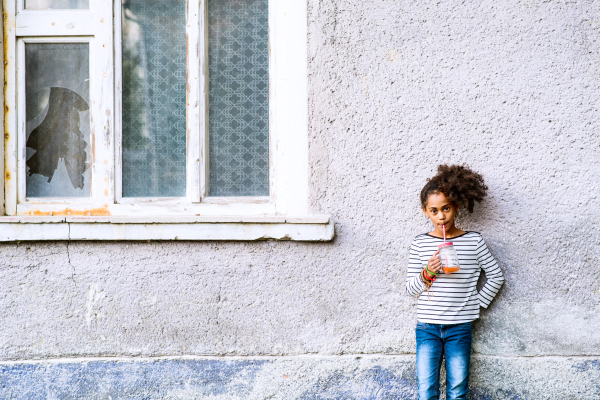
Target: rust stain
<point>5,53</point>
<point>5,31</point>
<point>93,212</point>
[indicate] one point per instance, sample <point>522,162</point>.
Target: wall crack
<point>70,264</point>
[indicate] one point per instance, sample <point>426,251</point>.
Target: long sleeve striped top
<point>453,298</point>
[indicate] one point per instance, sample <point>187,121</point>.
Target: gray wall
<point>395,88</point>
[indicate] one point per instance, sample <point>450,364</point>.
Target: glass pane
<point>154,129</point>
<point>239,97</point>
<point>58,119</point>
<point>56,4</point>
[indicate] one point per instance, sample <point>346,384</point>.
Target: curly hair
<point>461,185</point>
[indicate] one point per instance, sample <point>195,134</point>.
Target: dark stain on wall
<point>485,394</point>
<point>587,365</point>
<point>130,380</point>
<point>374,383</point>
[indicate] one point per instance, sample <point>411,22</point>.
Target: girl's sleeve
<point>493,274</point>
<point>414,285</point>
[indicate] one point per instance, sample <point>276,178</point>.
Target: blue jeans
<point>433,343</point>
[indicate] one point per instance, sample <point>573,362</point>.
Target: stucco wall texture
<point>395,87</point>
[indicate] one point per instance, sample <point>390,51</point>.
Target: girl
<point>448,303</point>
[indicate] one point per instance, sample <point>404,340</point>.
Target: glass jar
<point>449,258</point>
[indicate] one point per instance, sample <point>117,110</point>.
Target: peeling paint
<point>70,211</point>
<point>93,297</point>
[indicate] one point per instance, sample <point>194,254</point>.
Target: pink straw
<point>444,230</point>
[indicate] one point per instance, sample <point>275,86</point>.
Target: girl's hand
<point>434,264</point>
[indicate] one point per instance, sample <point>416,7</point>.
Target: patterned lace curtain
<point>154,92</point>
<point>239,97</point>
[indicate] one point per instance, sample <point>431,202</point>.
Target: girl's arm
<point>493,274</point>
<point>414,284</point>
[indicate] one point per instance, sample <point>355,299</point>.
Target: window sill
<point>27,228</point>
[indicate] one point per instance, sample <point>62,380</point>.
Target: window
<point>145,108</point>
<point>234,123</point>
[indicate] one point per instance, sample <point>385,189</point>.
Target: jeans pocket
<point>422,325</point>
<point>464,329</point>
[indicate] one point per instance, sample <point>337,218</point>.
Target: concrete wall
<point>395,87</point>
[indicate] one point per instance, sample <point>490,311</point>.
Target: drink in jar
<point>449,258</point>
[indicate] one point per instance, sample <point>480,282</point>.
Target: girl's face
<point>441,212</point>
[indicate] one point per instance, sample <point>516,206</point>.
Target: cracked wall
<point>395,88</point>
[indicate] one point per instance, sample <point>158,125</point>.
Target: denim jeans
<point>435,342</point>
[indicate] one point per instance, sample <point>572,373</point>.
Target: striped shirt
<point>453,298</point>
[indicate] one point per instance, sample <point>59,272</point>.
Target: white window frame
<point>30,206</point>
<point>91,26</point>
<point>284,214</point>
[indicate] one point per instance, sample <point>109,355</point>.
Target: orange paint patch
<point>94,212</point>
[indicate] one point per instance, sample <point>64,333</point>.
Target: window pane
<point>239,97</point>
<point>56,4</point>
<point>154,93</point>
<point>58,120</point>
